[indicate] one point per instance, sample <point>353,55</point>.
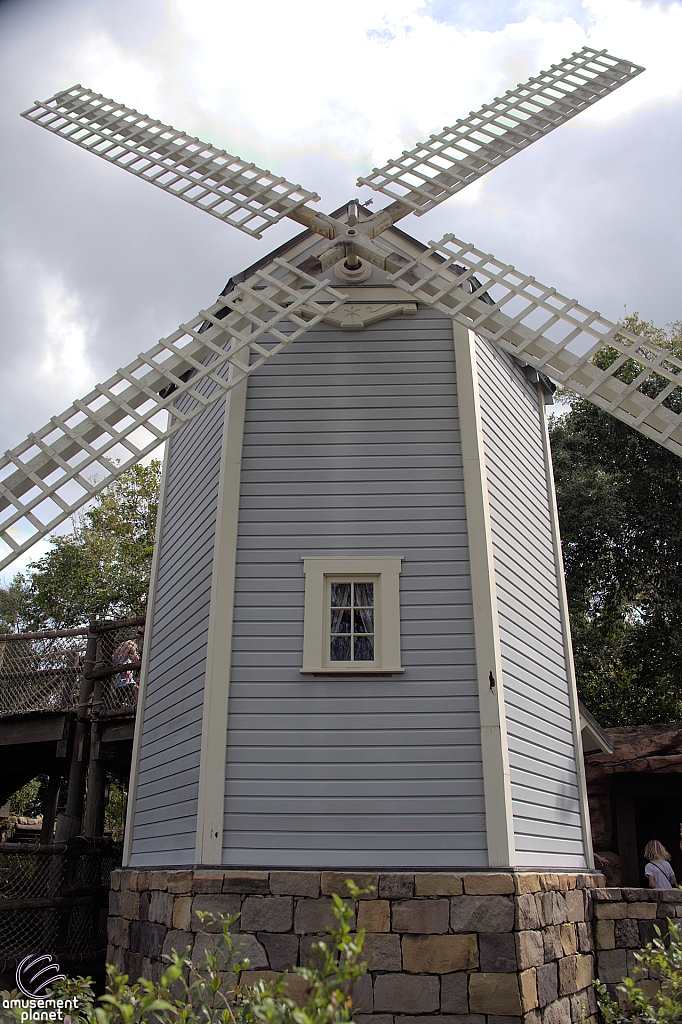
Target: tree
<point>100,569</point>
<point>27,800</point>
<point>620,506</point>
<point>11,605</point>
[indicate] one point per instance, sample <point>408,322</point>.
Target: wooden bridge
<point>67,710</point>
<point>68,700</point>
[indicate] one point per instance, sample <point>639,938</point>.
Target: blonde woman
<point>658,870</point>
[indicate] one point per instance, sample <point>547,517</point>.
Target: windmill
<point>298,707</point>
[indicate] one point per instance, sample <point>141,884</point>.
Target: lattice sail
<point>58,469</point>
<point>227,187</point>
<point>433,171</point>
<point>623,373</point>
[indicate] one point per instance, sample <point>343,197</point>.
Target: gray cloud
<point>592,211</point>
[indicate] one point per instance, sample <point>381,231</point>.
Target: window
<point>352,615</point>
<point>352,636</point>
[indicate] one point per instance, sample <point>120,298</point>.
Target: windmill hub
<point>347,270</point>
<point>348,238</point>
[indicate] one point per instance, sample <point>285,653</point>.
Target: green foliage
<point>115,810</point>
<point>78,990</point>
<point>620,506</point>
<point>669,338</point>
<point>11,606</point>
<point>212,991</point>
<point>101,569</point>
<point>643,1000</point>
<point>26,801</point>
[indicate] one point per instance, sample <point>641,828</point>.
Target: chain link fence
<point>121,646</point>
<point>54,899</point>
<point>42,671</point>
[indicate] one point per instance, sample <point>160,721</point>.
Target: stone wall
<point>470,948</point>
<point>624,921</point>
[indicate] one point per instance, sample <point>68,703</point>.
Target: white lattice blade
<point>433,171</point>
<point>49,476</point>
<point>233,190</point>
<point>552,333</point>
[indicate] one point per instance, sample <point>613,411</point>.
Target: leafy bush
<point>655,997</point>
<point>212,991</point>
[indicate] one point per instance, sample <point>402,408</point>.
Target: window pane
<point>340,595</point>
<point>341,620</point>
<point>364,648</point>
<point>340,648</point>
<point>364,621</point>
<point>364,595</point>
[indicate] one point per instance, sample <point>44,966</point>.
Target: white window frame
<point>384,571</point>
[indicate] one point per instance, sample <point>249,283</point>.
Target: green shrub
<point>212,992</point>
<point>655,997</point>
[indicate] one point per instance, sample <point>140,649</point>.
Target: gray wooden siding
<point>166,808</point>
<point>545,797</point>
<point>351,447</point>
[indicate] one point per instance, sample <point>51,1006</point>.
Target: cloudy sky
<point>96,265</point>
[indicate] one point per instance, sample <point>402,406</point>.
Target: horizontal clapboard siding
<point>166,807</point>
<point>351,447</point>
<point>545,797</point>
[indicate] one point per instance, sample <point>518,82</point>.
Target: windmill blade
<point>433,171</point>
<point>49,476</point>
<point>234,191</point>
<point>573,345</point>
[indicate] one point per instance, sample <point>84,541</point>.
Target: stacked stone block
<point>626,919</point>
<point>495,948</point>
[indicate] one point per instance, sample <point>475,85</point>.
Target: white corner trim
<point>568,642</point>
<point>495,754</point>
<point>144,669</point>
<point>386,569</point>
<point>211,802</point>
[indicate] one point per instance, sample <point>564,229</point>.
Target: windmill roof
<point>549,387</point>
<point>301,237</point>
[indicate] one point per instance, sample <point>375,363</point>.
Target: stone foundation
<point>624,921</point>
<point>474,948</point>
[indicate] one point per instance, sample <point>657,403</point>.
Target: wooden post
<point>69,823</point>
<point>97,777</point>
<point>627,839</point>
<point>50,809</point>
<point>94,803</point>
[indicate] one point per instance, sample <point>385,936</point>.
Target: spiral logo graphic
<point>35,974</point>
